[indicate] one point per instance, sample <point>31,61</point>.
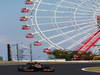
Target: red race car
<point>35,67</point>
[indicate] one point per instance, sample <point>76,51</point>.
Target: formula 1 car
<point>35,67</point>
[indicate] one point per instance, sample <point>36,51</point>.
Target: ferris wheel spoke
<point>56,29</point>
<point>64,27</point>
<point>56,18</point>
<point>79,14</point>
<point>67,7</point>
<point>55,36</point>
<point>58,5</point>
<point>53,17</point>
<point>85,10</point>
<point>81,7</point>
<point>73,3</point>
<point>48,30</point>
<point>60,16</point>
<point>96,4</point>
<point>80,10</point>
<point>55,14</point>
<point>73,45</point>
<point>89,5</point>
<point>83,22</point>
<point>93,6</point>
<point>65,33</point>
<point>88,8</point>
<point>66,22</point>
<point>53,23</point>
<point>78,42</point>
<point>46,3</point>
<point>75,36</point>
<point>45,10</point>
<point>97,10</point>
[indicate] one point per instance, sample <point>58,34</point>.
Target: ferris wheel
<point>63,24</point>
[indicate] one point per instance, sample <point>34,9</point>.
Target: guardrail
<point>51,62</point>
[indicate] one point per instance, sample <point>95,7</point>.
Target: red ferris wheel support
<point>96,45</point>
<point>92,40</point>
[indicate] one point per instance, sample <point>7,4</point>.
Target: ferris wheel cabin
<point>24,18</point>
<point>29,2</point>
<point>26,27</point>
<point>25,10</point>
<point>30,35</point>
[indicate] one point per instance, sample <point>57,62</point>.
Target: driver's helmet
<point>38,65</point>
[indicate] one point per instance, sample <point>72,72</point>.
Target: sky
<point>10,29</point>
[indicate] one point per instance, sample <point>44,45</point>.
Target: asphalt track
<point>61,69</point>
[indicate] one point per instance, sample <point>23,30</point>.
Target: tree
<point>63,54</point>
<point>72,55</point>
<point>1,58</point>
<point>59,53</point>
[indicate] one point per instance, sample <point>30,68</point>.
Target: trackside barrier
<point>61,61</point>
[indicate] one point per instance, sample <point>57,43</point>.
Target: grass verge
<point>94,69</point>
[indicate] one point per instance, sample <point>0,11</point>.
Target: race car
<point>35,67</point>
